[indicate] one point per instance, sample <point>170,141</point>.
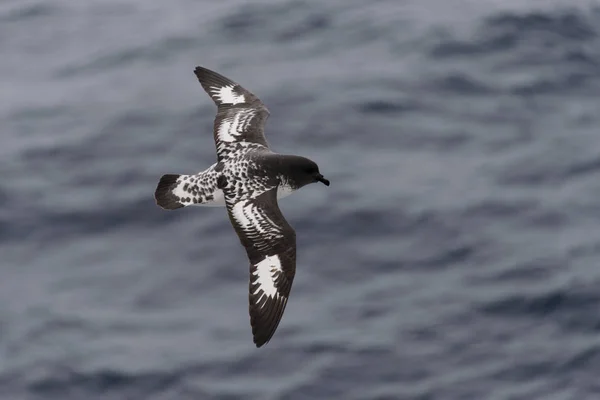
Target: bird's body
<point>248,178</point>
<point>250,172</point>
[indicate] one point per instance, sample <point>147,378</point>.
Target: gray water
<point>455,255</point>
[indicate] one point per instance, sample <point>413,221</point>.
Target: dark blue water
<point>456,254</point>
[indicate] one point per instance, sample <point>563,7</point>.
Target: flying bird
<point>248,179</point>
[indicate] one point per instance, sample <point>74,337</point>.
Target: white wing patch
<point>232,128</point>
<point>225,131</point>
<point>261,230</point>
<point>226,95</point>
<point>256,225</point>
<point>263,276</point>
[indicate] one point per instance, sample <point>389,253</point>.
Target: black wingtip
<point>202,72</point>
<point>265,319</point>
<point>164,193</point>
<point>261,339</point>
<point>261,334</point>
<point>207,76</point>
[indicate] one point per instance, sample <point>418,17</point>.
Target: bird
<point>248,179</point>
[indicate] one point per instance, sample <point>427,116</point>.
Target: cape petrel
<point>247,179</point>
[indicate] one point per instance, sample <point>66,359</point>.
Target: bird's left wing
<point>270,244</point>
<point>241,116</point>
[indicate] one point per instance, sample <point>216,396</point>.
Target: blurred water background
<point>455,256</point>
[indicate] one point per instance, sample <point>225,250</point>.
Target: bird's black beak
<point>322,180</point>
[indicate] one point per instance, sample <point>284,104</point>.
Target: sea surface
<point>455,256</point>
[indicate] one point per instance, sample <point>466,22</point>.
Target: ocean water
<point>455,256</point>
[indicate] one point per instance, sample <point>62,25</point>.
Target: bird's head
<point>304,171</point>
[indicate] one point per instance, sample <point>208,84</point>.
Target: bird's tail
<point>176,191</point>
<point>164,195</point>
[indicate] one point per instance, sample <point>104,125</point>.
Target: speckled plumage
<point>248,178</point>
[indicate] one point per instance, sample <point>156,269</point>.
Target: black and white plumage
<point>248,178</point>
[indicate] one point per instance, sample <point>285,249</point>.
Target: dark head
<point>302,171</point>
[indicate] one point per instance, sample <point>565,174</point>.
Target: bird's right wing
<point>270,244</point>
<point>241,116</point>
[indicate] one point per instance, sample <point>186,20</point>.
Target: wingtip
<point>259,338</point>
<point>199,70</point>
<point>203,71</point>
<point>208,78</point>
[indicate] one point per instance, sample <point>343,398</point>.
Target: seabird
<point>247,179</point>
